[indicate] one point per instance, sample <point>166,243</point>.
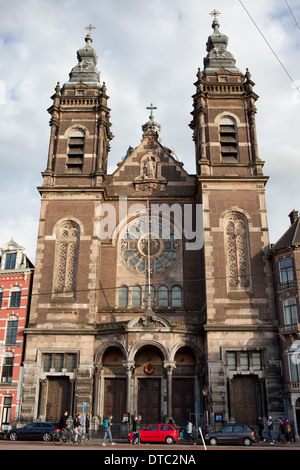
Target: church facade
<point>153,290</point>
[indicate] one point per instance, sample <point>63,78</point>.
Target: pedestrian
<point>63,422</point>
<point>260,429</point>
<point>136,430</point>
<point>288,432</point>
<point>270,430</point>
<point>107,423</point>
<point>189,430</point>
<point>77,426</point>
<point>282,431</point>
<point>87,424</point>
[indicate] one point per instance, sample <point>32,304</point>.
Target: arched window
<point>123,297</point>
<point>237,251</point>
<point>67,249</point>
<point>136,297</point>
<point>75,151</point>
<point>290,311</point>
<point>163,297</point>
<point>294,361</point>
<point>176,297</point>
<point>228,139</point>
<point>15,297</point>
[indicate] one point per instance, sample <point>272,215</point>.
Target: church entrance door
<point>115,398</point>
<point>58,399</point>
<point>149,400</point>
<point>245,399</point>
<point>183,400</point>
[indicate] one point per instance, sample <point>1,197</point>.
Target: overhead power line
<point>265,39</point>
<point>292,14</point>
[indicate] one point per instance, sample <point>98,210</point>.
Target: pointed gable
<point>151,168</point>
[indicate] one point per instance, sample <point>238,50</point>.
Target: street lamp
<point>205,393</point>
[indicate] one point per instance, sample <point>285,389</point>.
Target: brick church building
<point>153,291</point>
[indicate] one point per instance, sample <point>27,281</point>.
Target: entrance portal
<point>149,400</point>
<point>245,399</point>
<point>115,398</point>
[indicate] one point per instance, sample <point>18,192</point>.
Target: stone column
<point>169,366</point>
<point>129,367</point>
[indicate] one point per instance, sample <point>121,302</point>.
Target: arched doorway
<point>149,373</point>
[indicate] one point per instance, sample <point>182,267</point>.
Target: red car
<point>158,433</point>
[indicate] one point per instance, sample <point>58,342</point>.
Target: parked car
<point>158,433</point>
<point>232,434</point>
<point>33,431</point>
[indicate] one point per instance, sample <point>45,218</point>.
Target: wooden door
<point>58,400</point>
<point>115,399</point>
<point>182,400</point>
<point>245,399</point>
<point>149,400</point>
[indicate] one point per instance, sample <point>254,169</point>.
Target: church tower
<point>241,327</point>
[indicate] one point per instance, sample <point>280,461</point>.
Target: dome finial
<point>89,29</point>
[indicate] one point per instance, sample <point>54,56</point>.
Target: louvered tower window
<point>75,152</point>
<point>228,139</point>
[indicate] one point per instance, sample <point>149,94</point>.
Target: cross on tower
<point>90,28</point>
<point>151,117</point>
<point>215,13</point>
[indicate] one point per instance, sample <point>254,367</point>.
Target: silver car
<point>232,434</point>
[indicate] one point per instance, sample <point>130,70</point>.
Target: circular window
<point>156,247</point>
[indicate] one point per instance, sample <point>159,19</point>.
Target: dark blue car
<point>33,431</point>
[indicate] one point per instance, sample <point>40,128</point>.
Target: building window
<point>163,297</point>
<point>123,297</point>
<point>244,360</point>
<point>238,256</point>
<point>75,151</point>
<point>12,330</point>
<point>228,139</point>
<point>286,274</point>
<point>231,360</point>
<point>290,311</point>
<point>15,297</point>
<point>59,361</point>
<point>10,260</point>
<point>1,296</point>
<point>6,410</point>
<point>136,297</point>
<point>176,297</point>
<point>7,367</point>
<point>294,361</point>
<point>67,250</point>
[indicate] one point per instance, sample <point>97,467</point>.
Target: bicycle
<point>65,437</point>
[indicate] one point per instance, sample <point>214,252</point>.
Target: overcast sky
<point>148,52</point>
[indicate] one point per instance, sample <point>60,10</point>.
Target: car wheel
<point>13,436</point>
<point>47,437</point>
<point>247,441</point>
<point>213,441</point>
<point>169,440</point>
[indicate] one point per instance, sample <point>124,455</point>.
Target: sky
<point>148,52</point>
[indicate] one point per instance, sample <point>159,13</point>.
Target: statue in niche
<point>149,168</point>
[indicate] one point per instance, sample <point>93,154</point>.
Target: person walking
<point>270,430</point>
<point>260,429</point>
<point>77,426</point>
<point>282,431</point>
<point>107,423</point>
<point>189,430</point>
<point>288,432</point>
<point>136,430</point>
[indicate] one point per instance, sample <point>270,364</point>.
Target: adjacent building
<point>153,289</point>
<point>16,274</point>
<point>285,258</point>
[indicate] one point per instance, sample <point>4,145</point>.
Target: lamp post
<point>205,393</point>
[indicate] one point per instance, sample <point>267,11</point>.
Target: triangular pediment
<point>151,167</point>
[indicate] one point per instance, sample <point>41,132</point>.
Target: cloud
<point>149,52</point>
